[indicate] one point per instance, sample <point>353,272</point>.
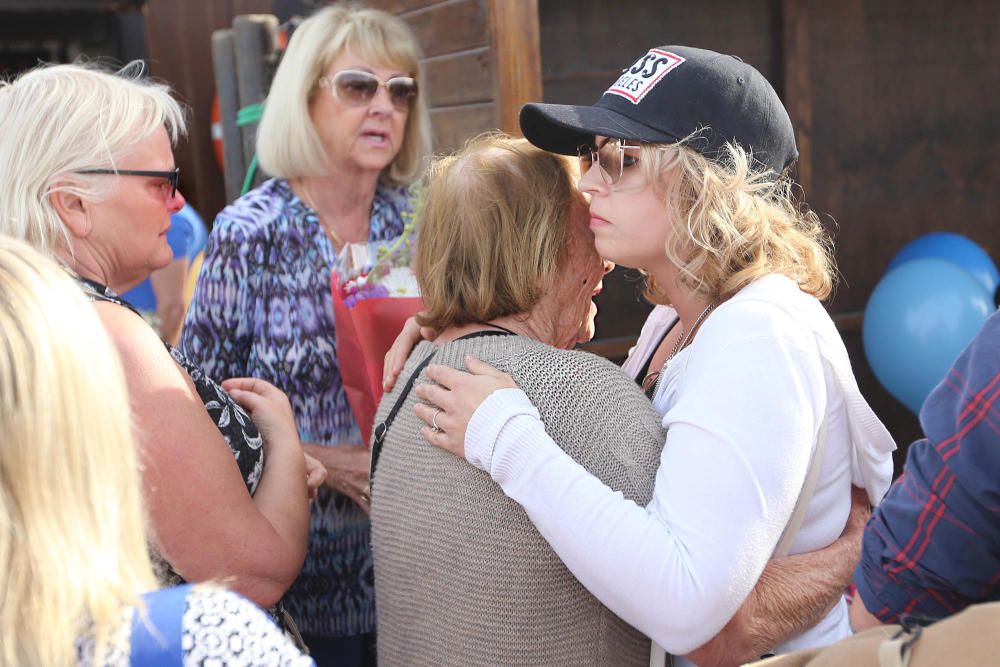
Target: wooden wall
<point>893,101</point>
<point>476,74</point>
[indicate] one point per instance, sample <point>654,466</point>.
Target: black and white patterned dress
<point>218,628</point>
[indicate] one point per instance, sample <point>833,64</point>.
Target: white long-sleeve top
<point>742,406</point>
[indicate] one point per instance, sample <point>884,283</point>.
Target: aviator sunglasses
<point>358,88</point>
<point>611,158</point>
<point>171,177</point>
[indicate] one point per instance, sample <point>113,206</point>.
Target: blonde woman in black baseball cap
<point>685,159</point>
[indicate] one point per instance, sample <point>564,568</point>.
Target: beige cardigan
<point>462,577</point>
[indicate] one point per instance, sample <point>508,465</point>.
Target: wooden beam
<point>798,83</point>
<point>517,59</point>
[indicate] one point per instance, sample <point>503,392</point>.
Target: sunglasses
<point>611,158</point>
<point>358,88</point>
<point>172,177</point>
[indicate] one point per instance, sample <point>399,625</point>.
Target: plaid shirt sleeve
<point>932,546</point>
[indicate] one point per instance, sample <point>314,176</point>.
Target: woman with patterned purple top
<point>344,132</point>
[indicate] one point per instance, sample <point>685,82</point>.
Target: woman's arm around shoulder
<point>724,486</point>
<point>204,521</point>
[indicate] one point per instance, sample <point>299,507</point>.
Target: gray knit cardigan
<point>462,577</point>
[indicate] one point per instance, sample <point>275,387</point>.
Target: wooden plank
<point>579,38</point>
<point>72,5</point>
<point>460,78</point>
<point>178,35</point>
<point>200,89</point>
<point>517,60</point>
<point>400,6</point>
<point>849,322</point>
<point>903,145</point>
<point>172,30</point>
<point>255,38</point>
<point>453,126</point>
<point>250,7</point>
<point>797,84</point>
<point>447,27</point>
<point>224,61</point>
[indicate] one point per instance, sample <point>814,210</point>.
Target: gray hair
<point>63,119</point>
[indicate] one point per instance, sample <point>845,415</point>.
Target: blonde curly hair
<point>741,223</point>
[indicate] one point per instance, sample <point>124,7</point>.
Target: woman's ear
<point>72,210</point>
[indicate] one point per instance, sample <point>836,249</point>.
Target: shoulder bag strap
<point>383,426</point>
<point>156,635</point>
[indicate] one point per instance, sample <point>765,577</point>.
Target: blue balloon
<point>955,248</point>
<point>919,318</point>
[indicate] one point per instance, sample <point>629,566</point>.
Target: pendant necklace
<point>682,341</point>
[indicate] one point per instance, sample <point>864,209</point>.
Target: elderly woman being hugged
<point>507,269</point>
<point>344,132</point>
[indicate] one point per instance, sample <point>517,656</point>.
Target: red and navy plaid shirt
<point>932,546</point>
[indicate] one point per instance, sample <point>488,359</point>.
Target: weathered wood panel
<point>517,69</point>
<point>447,27</point>
<point>903,128</point>
<point>903,140</point>
<point>458,78</point>
<point>400,6</point>
<point>585,46</point>
<point>798,84</point>
<point>454,125</point>
<point>482,62</point>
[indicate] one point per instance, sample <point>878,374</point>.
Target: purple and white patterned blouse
<point>262,308</point>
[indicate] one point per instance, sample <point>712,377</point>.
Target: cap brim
<point>563,128</point>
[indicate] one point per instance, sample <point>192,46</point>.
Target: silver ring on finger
<point>434,421</point>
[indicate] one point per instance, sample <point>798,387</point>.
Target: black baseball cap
<point>668,94</point>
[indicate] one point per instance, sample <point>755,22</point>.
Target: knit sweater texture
<point>462,577</point>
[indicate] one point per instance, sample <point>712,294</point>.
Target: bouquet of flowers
<point>374,292</point>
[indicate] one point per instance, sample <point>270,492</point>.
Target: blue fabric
<point>932,546</point>
<point>262,307</point>
<point>165,613</point>
<point>186,237</point>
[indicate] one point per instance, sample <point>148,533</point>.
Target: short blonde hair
<point>492,230</point>
<point>62,119</point>
<point>71,526</point>
<point>288,145</point>
<point>741,223</point>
